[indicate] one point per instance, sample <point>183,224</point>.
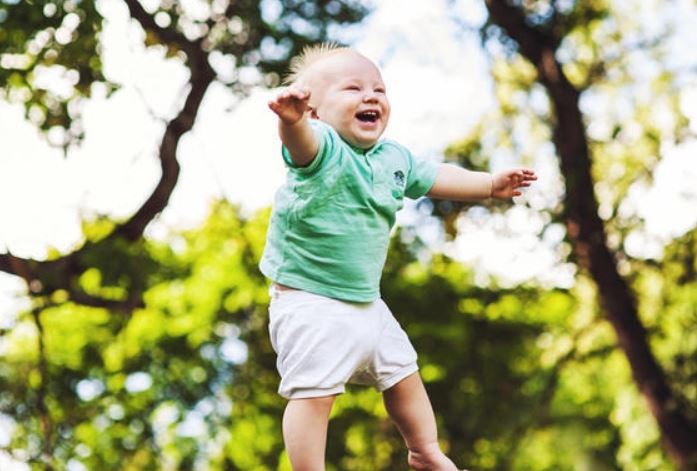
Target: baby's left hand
<point>506,184</point>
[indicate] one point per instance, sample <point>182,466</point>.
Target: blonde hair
<point>311,55</point>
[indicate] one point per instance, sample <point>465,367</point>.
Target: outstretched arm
<point>291,106</point>
<point>456,183</point>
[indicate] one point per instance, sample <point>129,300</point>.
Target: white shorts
<point>324,343</point>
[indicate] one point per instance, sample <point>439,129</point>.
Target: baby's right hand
<point>291,104</point>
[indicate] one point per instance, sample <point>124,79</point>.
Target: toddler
<point>326,247</point>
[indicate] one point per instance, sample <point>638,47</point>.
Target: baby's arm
<point>296,134</point>
<point>456,183</point>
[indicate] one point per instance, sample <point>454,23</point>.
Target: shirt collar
<point>364,152</point>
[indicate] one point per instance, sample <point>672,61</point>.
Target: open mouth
<point>368,116</point>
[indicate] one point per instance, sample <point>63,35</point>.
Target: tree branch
<point>125,306</point>
<point>48,276</point>
<point>202,75</point>
<point>168,35</point>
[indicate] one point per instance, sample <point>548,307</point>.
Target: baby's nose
<point>370,97</point>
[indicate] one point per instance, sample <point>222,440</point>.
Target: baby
<point>326,247</point>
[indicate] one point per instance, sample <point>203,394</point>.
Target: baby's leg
<point>409,407</point>
<point>305,432</point>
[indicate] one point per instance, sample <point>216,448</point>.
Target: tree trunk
<point>587,233</point>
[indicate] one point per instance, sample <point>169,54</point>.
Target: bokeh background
<point>138,163</point>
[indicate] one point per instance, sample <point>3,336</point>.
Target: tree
<point>567,50</point>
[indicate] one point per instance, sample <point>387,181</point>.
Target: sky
<point>232,151</point>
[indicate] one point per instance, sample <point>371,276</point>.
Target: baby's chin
<point>364,142</point>
<point>356,138</point>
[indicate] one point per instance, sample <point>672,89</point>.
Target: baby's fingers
<point>274,105</point>
<point>523,177</point>
<point>302,93</point>
<point>293,94</point>
<point>528,174</point>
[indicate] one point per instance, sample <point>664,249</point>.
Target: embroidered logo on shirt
<point>399,178</point>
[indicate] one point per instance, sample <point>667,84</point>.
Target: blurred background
<point>138,163</point>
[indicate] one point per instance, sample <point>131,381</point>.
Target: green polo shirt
<point>330,224</point>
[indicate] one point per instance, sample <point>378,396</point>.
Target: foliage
<point>49,37</point>
<point>520,378</point>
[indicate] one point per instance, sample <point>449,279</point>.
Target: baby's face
<point>348,94</point>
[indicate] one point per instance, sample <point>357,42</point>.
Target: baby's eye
<point>352,87</point>
<point>379,90</point>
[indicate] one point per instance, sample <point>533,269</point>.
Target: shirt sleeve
<point>327,144</point>
<point>422,175</point>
